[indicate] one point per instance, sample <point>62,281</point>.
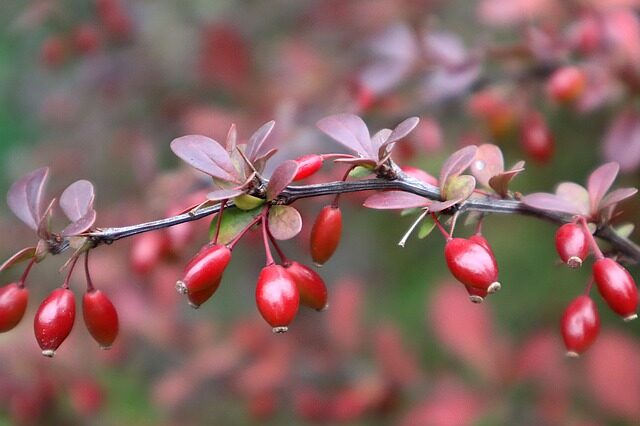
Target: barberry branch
<point>490,205</point>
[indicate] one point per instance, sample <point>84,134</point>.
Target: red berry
<point>308,165</point>
<point>86,38</point>
<point>580,325</point>
<point>479,239</point>
<point>277,297</point>
<point>325,234</point>
<point>54,320</point>
<point>53,52</point>
<point>205,269</point>
<point>197,298</point>
<point>313,291</point>
<point>617,287</point>
<point>13,304</point>
<point>566,84</point>
<point>572,244</point>
<point>536,138</point>
<point>100,317</point>
<point>472,264</point>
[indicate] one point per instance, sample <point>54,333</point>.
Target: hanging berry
<point>277,297</point>
<point>312,289</point>
<point>205,269</point>
<point>325,234</point>
<point>580,325</point>
<point>307,166</point>
<point>196,299</point>
<point>572,244</point>
<point>54,320</point>
<point>472,264</point>
<point>13,304</point>
<point>100,317</point>
<point>617,287</point>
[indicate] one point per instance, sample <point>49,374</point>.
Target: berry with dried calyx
<point>572,244</point>
<point>277,297</point>
<point>325,234</point>
<point>54,320</point>
<point>205,269</point>
<point>472,264</point>
<point>617,287</point>
<point>197,298</point>
<point>312,289</point>
<point>100,317</point>
<point>580,325</point>
<point>307,166</point>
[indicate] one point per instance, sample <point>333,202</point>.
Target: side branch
<point>291,194</point>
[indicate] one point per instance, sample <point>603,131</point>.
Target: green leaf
<point>459,187</point>
<point>360,172</point>
<point>234,221</point>
<point>427,225</point>
<point>625,229</point>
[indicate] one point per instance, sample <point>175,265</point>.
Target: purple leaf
<point>282,176</point>
<point>600,180</point>
<point>616,196</point>
<point>80,225</point>
<point>223,194</point>
<point>348,130</point>
<point>576,195</point>
<point>44,227</point>
<point>487,164</point>
<point>77,199</point>
<point>546,201</point>
<point>25,197</point>
<point>232,139</point>
<point>256,146</point>
<point>400,131</point>
<point>206,155</point>
<point>379,139</point>
<point>457,163</point>
<point>446,83</point>
<point>21,256</point>
<point>438,206</point>
<point>260,162</point>
<point>622,142</point>
<point>285,222</point>
<point>395,200</point>
<point>459,187</point>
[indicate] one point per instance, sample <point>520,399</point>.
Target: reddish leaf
<point>487,164</point>
<point>392,200</point>
<point>25,197</point>
<point>622,141</point>
<point>438,206</point>
<point>21,256</point>
<point>400,131</point>
<point>223,194</point>
<point>445,83</point>
<point>348,130</point>
<point>459,187</point>
<point>575,194</point>
<point>282,176</point>
<point>80,225</point>
<point>232,139</point>
<point>256,146</point>
<point>77,199</point>
<point>546,201</point>
<point>379,139</point>
<point>614,197</point>
<point>206,155</point>
<point>500,182</point>
<point>285,222</point>
<point>600,181</point>
<point>457,163</point>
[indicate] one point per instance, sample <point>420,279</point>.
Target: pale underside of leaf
<point>348,130</point>
<point>599,182</point>
<point>457,163</point>
<point>81,225</point>
<point>25,197</point>
<point>256,146</point>
<point>575,194</point>
<point>77,199</point>
<point>398,133</point>
<point>546,201</point>
<point>395,200</point>
<point>616,196</point>
<point>21,256</point>
<point>206,155</point>
<point>285,222</point>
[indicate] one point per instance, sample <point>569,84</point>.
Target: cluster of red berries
<point>280,288</point>
<point>55,317</point>
<point>580,323</point>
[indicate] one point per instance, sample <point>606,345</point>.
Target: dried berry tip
<point>194,306</point>
<point>105,348</point>
<point>279,330</point>
<point>324,308</point>
<point>630,317</point>
<point>181,287</point>
<point>49,353</point>
<point>495,286</point>
<point>572,354</point>
<point>476,299</point>
<point>574,262</point>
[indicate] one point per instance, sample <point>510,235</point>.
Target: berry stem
<point>479,225</point>
<point>587,288</point>
<point>454,219</point>
<point>86,272</point>
<point>336,200</point>
<point>25,274</point>
<point>592,241</point>
<point>65,284</point>
<point>281,255</point>
<point>265,239</point>
<point>444,232</point>
<point>334,156</point>
<point>219,223</point>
